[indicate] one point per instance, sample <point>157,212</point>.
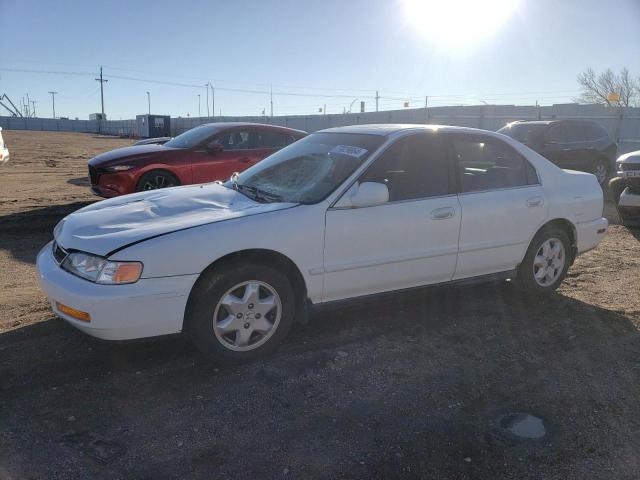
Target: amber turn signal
<point>72,312</point>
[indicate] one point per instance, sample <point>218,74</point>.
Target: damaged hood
<point>111,224</point>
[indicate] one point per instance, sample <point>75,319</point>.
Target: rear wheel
<point>155,179</point>
<point>546,261</point>
<point>239,312</point>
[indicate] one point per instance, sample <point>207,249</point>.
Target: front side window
<point>489,164</point>
<point>308,170</point>
<point>557,134</point>
<point>414,167</point>
<point>192,138</point>
<point>235,140</point>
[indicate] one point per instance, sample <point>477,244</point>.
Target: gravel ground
<point>411,386</point>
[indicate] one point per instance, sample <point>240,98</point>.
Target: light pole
<point>198,105</point>
<point>354,101</point>
<point>149,102</point>
<point>206,86</point>
<point>53,103</point>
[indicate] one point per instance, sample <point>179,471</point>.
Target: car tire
<point>156,179</point>
<point>546,262</point>
<point>229,318</point>
<point>601,171</point>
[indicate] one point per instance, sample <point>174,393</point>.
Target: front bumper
<point>4,156</point>
<point>147,308</point>
<point>628,199</point>
<point>589,234</point>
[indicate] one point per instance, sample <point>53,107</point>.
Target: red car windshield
<point>193,137</point>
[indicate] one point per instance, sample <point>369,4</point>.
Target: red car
<point>209,152</point>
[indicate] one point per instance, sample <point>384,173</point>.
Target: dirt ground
<point>412,386</point>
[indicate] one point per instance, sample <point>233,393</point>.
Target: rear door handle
<point>443,213</point>
<point>535,202</point>
<point>245,160</point>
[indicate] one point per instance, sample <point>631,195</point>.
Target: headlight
<point>119,168</point>
<point>98,270</point>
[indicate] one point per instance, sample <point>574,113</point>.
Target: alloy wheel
<point>247,315</point>
<point>549,262</point>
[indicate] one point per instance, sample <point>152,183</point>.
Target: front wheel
<point>239,312</point>
<point>156,179</point>
<point>546,261</point>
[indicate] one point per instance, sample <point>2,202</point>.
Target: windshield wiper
<point>258,194</point>
<point>254,193</point>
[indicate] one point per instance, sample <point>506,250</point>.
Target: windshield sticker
<point>349,150</point>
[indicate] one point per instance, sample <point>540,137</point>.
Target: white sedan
<point>340,214</point>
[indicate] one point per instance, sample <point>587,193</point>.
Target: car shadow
<point>453,344</point>
<point>79,182</point>
<point>24,233</point>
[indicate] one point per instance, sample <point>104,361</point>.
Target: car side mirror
<point>214,148</point>
<point>369,194</point>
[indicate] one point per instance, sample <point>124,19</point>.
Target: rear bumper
<point>589,234</point>
<point>4,156</point>
<point>147,308</point>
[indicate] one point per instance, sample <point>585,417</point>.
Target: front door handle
<point>443,213</point>
<point>535,202</point>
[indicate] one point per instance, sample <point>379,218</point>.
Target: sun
<point>458,24</point>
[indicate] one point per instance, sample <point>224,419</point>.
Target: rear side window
<point>267,139</point>
<point>489,164</point>
<point>414,167</point>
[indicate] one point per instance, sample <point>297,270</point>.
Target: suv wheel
<point>239,312</point>
<point>546,261</point>
<point>601,171</point>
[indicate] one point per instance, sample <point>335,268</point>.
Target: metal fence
<point>623,124</point>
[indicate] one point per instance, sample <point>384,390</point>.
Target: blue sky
<point>331,52</point>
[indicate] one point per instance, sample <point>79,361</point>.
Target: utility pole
<point>426,107</point>
<point>271,95</point>
<point>377,98</point>
<point>198,105</point>
<point>53,102</point>
<point>33,102</point>
<point>213,100</point>
<point>28,106</point>
<point>325,109</point>
<point>149,102</point>
<point>102,82</point>
<point>206,86</point>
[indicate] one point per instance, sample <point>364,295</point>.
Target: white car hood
<point>111,224</point>
<point>631,157</point>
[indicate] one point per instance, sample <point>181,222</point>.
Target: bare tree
<point>596,88</point>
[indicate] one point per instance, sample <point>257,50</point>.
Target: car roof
<point>225,125</point>
<point>550,122</point>
<point>386,129</point>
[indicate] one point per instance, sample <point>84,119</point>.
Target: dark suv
<point>573,144</point>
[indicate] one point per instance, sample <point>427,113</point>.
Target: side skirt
<point>493,277</point>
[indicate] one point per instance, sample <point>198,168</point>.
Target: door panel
<point>502,204</point>
<point>410,241</point>
<point>497,227</point>
<point>389,247</point>
<point>236,156</point>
